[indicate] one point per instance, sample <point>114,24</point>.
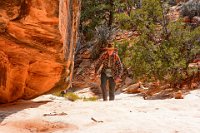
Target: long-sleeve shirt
<point>113,63</point>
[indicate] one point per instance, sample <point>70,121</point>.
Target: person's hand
<point>96,75</point>
<point>117,80</point>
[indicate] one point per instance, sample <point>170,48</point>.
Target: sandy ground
<point>127,114</point>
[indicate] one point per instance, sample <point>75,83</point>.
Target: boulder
<point>178,95</point>
<point>132,89</point>
<point>179,1</point>
<point>128,81</point>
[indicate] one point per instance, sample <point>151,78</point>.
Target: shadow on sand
<point>12,108</point>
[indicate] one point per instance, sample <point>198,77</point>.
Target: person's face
<point>110,51</point>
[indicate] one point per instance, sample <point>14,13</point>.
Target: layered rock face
<point>34,57</point>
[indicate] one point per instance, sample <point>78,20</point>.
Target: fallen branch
<point>96,120</point>
<point>55,114</point>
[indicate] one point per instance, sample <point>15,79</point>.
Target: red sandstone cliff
<point>34,57</point>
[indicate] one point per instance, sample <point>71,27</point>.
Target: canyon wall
<point>37,43</point>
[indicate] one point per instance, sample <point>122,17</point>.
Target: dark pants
<point>104,79</point>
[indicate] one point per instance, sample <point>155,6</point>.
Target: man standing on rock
<point>110,68</point>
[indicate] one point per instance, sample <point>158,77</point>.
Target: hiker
<point>110,68</point>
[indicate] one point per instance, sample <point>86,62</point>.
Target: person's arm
<point>119,68</point>
<point>99,62</point>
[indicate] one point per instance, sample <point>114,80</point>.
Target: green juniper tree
<point>93,14</point>
<point>159,54</point>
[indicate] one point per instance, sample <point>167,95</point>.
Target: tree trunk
<point>110,22</point>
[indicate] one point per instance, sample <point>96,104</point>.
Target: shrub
<point>123,20</point>
<point>90,99</point>
<point>71,96</point>
<point>166,59</point>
